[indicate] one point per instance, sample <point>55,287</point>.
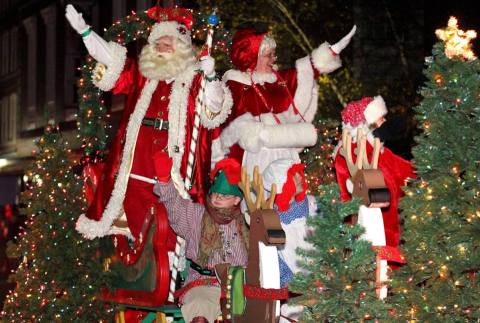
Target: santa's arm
<point>110,56</point>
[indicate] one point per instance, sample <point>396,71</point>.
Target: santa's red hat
<point>245,47</point>
<point>175,22</point>
<point>366,110</point>
<point>280,172</point>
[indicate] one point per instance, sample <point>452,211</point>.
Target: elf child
<point>215,233</point>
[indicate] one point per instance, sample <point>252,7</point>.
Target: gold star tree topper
<point>457,41</point>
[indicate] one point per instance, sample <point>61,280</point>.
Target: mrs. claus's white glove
<point>342,43</point>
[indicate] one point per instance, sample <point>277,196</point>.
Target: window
<point>5,52</point>
<point>13,49</point>
<point>8,118</point>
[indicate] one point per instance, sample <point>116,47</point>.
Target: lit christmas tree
<point>60,273</point>
<point>318,160</point>
<point>440,282</point>
<point>338,284</point>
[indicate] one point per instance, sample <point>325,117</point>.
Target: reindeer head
<point>368,182</point>
<point>263,219</point>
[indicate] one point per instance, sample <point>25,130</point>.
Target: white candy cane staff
<point>199,104</point>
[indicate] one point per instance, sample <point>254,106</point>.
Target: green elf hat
<point>225,178</point>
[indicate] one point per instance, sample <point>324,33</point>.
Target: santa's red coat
<point>139,195</point>
<point>395,171</point>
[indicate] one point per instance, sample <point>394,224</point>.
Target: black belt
<point>156,123</point>
<point>200,269</point>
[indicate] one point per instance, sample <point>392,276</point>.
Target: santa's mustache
<point>165,55</point>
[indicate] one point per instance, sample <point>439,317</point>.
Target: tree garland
<point>92,117</point>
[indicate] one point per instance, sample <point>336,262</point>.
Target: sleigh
<point>147,270</point>
<point>149,273</point>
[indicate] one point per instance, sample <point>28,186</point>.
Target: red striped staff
<point>199,105</point>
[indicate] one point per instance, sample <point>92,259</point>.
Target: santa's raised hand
<point>97,47</point>
<point>75,19</point>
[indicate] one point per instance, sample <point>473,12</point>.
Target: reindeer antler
<point>257,186</point>
<point>244,185</point>
<point>346,152</point>
<point>377,145</point>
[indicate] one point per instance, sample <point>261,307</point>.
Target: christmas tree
<point>60,273</point>
<point>440,282</point>
<point>318,160</point>
<point>338,284</point>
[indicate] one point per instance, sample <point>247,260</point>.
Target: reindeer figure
<point>266,234</point>
<point>368,184</point>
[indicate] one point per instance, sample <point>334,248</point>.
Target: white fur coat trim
<point>375,109</point>
<point>177,107</point>
<point>289,135</point>
<point>177,116</point>
<point>252,134</point>
<point>91,229</point>
<point>306,94</point>
<point>244,77</point>
<point>240,127</point>
<point>224,112</point>
<point>113,71</point>
<point>324,60</point>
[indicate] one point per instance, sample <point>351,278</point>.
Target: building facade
<point>39,68</point>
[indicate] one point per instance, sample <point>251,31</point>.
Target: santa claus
<point>273,109</point>
<point>158,118</point>
<point>368,114</point>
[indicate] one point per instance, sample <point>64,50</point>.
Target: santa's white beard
<point>164,66</point>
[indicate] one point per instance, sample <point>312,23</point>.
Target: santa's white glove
<point>207,65</point>
<point>342,43</point>
<point>214,96</point>
<point>76,19</point>
<point>96,46</point>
